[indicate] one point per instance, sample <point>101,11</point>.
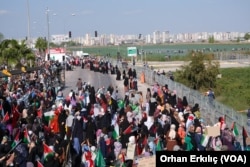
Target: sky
<point>121,17</point>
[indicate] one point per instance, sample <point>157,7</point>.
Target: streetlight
<point>48,47</point>
<point>28,26</point>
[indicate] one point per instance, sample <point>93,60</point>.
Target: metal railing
<point>210,110</point>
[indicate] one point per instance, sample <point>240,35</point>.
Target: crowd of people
<point>92,127</point>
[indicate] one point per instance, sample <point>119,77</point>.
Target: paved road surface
<point>97,80</point>
<point>173,65</point>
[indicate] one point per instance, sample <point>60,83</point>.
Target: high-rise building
<point>156,37</point>
<point>165,36</point>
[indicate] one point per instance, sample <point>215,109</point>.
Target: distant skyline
<point>122,16</point>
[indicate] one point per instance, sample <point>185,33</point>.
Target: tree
<point>247,36</point>
<point>12,52</point>
<point>41,45</point>
<point>211,39</point>
<point>200,73</point>
<point>1,37</point>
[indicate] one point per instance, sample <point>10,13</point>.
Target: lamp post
<point>48,47</point>
<point>28,26</point>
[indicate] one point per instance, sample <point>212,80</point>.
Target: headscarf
<point>172,132</point>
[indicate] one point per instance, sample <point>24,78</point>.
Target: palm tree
<point>8,51</point>
<point>1,37</point>
<point>41,45</point>
<point>25,53</point>
<point>12,51</point>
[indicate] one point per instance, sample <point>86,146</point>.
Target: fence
<point>210,111</point>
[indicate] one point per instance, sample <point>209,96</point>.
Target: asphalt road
<point>96,79</point>
<point>174,65</point>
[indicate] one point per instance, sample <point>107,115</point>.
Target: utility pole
<point>48,47</point>
<point>28,18</point>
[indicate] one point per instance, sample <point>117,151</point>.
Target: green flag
<point>115,133</point>
<point>158,145</point>
<point>235,129</point>
<point>99,160</point>
<point>120,104</point>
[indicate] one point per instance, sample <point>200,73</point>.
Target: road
<point>174,65</point>
<point>98,80</point>
<point>95,79</point>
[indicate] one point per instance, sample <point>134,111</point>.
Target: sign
<point>147,162</point>
<point>56,51</point>
<point>131,151</point>
<point>132,51</point>
<point>213,131</point>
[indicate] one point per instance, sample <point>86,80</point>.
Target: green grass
<point>233,89</point>
<point>159,52</point>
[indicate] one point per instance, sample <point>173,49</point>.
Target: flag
<point>120,104</point>
<point>16,140</point>
<point>116,133</point>
<point>49,115</point>
<point>204,140</point>
<point>16,115</point>
<point>26,138</point>
<point>130,129</point>
<point>6,117</point>
<point>244,137</point>
<point>235,129</point>
<point>133,107</point>
<point>47,151</point>
<point>158,144</point>
<point>39,164</point>
<point>39,113</point>
<point>123,160</point>
<point>99,160</point>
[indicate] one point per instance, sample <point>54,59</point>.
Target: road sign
<point>132,51</point>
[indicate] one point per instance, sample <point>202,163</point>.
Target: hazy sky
<point>122,16</point>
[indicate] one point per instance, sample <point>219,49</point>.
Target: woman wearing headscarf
<point>62,121</point>
<point>228,139</point>
<point>31,158</point>
<point>90,131</point>
<point>190,144</point>
<point>124,124</point>
<point>172,138</point>
<point>126,84</point>
<point>73,99</point>
<point>184,102</point>
<point>77,131</point>
<point>198,138</point>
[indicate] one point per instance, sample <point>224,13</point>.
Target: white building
<point>58,39</point>
<point>156,37</point>
<point>165,36</point>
